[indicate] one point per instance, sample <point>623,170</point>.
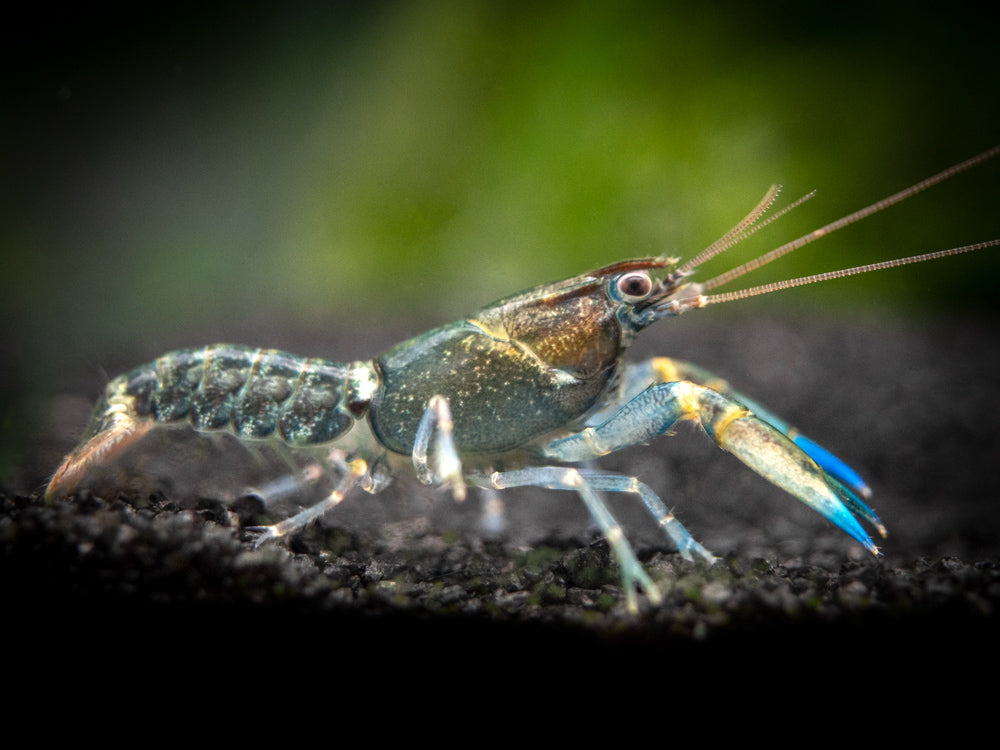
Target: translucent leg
<point>290,484</point>
<point>492,520</point>
<point>559,478</point>
<point>681,537</point>
<point>355,470</point>
<point>434,436</point>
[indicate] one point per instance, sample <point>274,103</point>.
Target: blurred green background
<point>182,174</point>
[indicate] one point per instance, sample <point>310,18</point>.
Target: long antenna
<point>845,221</point>
<point>712,299</point>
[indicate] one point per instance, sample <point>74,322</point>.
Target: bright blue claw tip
<point>856,505</point>
<point>843,518</point>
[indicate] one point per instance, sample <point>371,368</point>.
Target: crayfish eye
<point>632,287</point>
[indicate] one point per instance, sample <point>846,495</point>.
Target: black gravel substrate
<point>405,576</point>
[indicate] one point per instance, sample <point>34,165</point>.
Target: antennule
<point>735,234</point>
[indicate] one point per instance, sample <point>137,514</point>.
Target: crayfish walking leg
<point>560,478</point>
<point>437,423</point>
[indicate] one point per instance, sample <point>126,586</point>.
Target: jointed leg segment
<point>355,470</point>
<point>666,370</point>
<point>436,423</point>
<point>561,478</point>
<point>434,437</point>
<point>728,421</point>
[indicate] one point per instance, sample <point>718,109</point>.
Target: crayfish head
<point>583,324</point>
<point>643,300</point>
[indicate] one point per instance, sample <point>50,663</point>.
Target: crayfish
<point>511,396</point>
